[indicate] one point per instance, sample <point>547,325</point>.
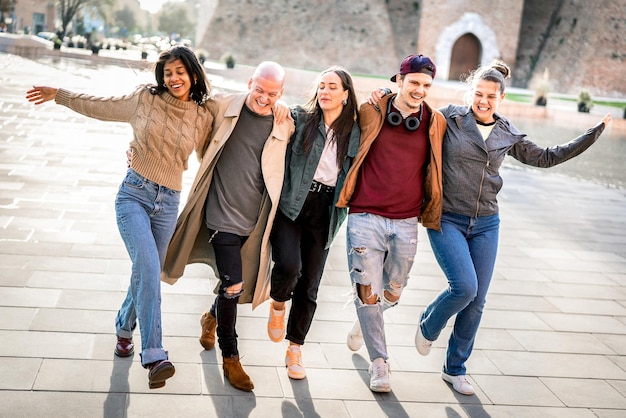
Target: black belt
<point>316,186</point>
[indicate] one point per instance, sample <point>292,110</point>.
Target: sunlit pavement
<point>552,341</point>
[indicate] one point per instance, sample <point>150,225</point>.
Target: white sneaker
<point>421,343</point>
<point>459,383</point>
<point>379,376</point>
<point>355,337</point>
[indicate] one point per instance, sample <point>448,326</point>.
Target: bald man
<point>228,217</point>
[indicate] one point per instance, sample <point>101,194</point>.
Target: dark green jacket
<point>300,169</point>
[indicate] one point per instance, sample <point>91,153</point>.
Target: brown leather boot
<point>236,375</point>
<point>208,323</point>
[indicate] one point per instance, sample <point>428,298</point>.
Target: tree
<point>174,19</point>
<point>125,18</point>
<point>68,9</point>
<point>6,6</point>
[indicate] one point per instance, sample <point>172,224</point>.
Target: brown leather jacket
<point>371,119</point>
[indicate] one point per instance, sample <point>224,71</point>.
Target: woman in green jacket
<point>318,158</point>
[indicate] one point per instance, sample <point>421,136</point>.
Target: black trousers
<point>299,258</point>
<point>227,249</point>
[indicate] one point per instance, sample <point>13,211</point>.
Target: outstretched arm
<point>530,153</point>
<point>41,94</point>
<point>117,109</point>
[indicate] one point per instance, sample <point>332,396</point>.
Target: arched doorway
<point>465,56</point>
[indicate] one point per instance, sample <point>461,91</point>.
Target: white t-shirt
<point>327,170</point>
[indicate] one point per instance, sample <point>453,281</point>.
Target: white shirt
<point>327,170</point>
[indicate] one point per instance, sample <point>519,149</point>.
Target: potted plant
<point>202,55</point>
<point>542,88</point>
<point>585,103</point>
<point>95,48</point>
<point>541,98</point>
<point>229,60</point>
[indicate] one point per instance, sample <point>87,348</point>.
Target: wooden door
<point>465,56</point>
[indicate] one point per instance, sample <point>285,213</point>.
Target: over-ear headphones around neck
<point>395,118</point>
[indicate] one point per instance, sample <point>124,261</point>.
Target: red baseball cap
<point>416,64</point>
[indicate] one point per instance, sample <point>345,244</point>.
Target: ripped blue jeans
<point>380,255</point>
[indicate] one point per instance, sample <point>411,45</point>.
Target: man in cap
<point>395,181</point>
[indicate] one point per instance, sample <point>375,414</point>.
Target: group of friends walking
<point>274,185</point>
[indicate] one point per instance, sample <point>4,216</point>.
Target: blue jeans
<point>465,249</point>
<point>380,254</point>
<point>146,217</point>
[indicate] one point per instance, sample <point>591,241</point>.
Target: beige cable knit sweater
<point>165,130</point>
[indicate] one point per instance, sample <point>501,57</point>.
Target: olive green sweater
<point>165,130</point>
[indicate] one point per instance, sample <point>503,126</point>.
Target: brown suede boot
<point>208,323</point>
<point>236,375</point>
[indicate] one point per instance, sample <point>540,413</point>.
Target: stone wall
<point>582,45</point>
<point>494,22</point>
<point>586,48</point>
<point>537,23</point>
<point>313,34</point>
<point>28,46</point>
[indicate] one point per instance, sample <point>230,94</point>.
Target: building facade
<point>34,16</point>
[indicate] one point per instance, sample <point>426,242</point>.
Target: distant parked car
<point>50,36</point>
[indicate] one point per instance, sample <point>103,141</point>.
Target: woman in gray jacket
<point>476,141</point>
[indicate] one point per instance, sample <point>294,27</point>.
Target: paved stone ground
<point>552,342</point>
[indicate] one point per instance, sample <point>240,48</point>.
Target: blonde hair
<point>496,71</point>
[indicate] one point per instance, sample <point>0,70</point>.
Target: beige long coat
<point>190,244</point>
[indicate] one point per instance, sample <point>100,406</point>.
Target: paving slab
<point>552,342</point>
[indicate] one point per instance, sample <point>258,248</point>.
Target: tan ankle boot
<point>208,324</point>
<point>236,375</point>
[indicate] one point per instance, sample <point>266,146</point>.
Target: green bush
<point>229,60</point>
<point>585,102</point>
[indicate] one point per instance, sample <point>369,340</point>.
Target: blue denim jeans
<point>465,249</point>
<point>380,254</point>
<point>146,217</point>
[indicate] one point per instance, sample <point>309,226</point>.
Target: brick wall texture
<point>581,43</point>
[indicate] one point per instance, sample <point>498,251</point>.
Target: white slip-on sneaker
<point>379,376</point>
<point>459,383</point>
<point>421,343</point>
<point>355,337</point>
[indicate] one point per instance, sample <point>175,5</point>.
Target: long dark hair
<point>201,88</point>
<point>342,126</point>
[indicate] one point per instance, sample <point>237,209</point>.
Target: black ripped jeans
<point>227,248</point>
